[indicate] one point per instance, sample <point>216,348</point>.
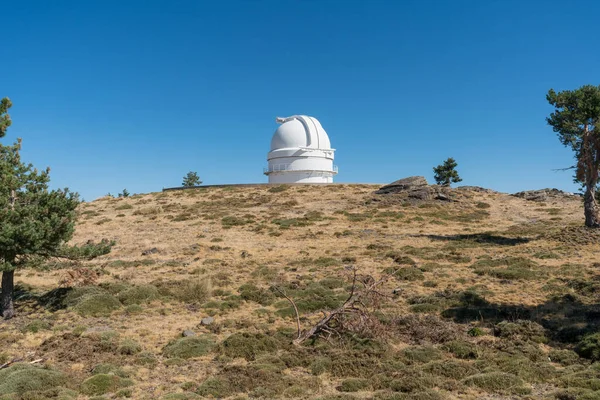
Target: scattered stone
<point>188,333</point>
<point>244,254</point>
<point>207,321</point>
<point>150,251</point>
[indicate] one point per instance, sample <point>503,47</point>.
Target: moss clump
<point>589,347</point>
<point>23,378</point>
<point>97,305</point>
<point>139,294</point>
<point>497,382</point>
<point>189,347</point>
<point>103,383</point>
<point>353,385</point>
<point>248,345</point>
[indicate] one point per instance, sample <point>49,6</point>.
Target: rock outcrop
<point>543,194</point>
<point>416,188</point>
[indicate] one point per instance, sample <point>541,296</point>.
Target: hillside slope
<point>485,296</point>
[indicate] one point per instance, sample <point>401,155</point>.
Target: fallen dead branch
<point>353,314</point>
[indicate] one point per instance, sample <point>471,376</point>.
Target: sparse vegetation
<point>478,307</point>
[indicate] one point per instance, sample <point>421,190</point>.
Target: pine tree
<point>446,173</point>
<point>575,118</point>
<point>191,179</point>
<point>36,221</point>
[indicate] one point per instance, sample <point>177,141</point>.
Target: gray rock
<point>207,321</point>
<point>542,194</point>
<point>188,333</point>
<point>150,251</point>
<point>406,184</point>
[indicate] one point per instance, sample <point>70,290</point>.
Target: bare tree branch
<point>295,309</point>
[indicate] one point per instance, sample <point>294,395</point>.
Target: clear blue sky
<point>134,94</point>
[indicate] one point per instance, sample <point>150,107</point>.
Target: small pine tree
<point>191,179</point>
<point>446,173</point>
<point>35,221</point>
<point>124,193</point>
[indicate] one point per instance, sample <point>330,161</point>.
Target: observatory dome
<point>300,152</point>
<point>301,131</point>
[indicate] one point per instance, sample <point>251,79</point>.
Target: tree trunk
<point>590,207</point>
<point>8,285</point>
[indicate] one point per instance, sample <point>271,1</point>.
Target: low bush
<point>454,369</point>
<point>248,345</point>
<point>138,294</point>
<point>521,329</point>
<point>498,382</point>
<point>563,357</point>
<point>589,347</point>
<point>189,347</point>
<point>353,385</point>
<point>103,383</point>
<point>22,378</point>
<point>462,349</point>
<point>97,305</point>
<point>250,292</point>
<point>129,347</point>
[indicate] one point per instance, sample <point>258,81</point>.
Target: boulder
<point>207,321</point>
<point>188,333</point>
<point>412,183</point>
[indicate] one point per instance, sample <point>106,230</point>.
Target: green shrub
<point>97,305</point>
<point>454,369</point>
<point>188,347</point>
<point>215,387</point>
<point>35,326</point>
<point>103,383</point>
<point>497,382</point>
<point>462,349</point>
<point>248,345</point>
<point>320,365</point>
<point>421,354</point>
<point>475,331</point>
<point>510,268</point>
<point>23,378</point>
<point>250,292</point>
<point>129,347</point>
<point>109,369</point>
<point>353,385</point>
<point>589,347</point>
<point>138,294</point>
<point>181,396</point>
<point>563,357</point>
<point>193,291</point>
<point>521,329</point>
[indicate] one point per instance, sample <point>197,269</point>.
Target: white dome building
<point>300,152</point>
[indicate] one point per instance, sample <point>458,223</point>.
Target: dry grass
<point>457,267</point>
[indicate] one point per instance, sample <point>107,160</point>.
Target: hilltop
<point>484,296</point>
